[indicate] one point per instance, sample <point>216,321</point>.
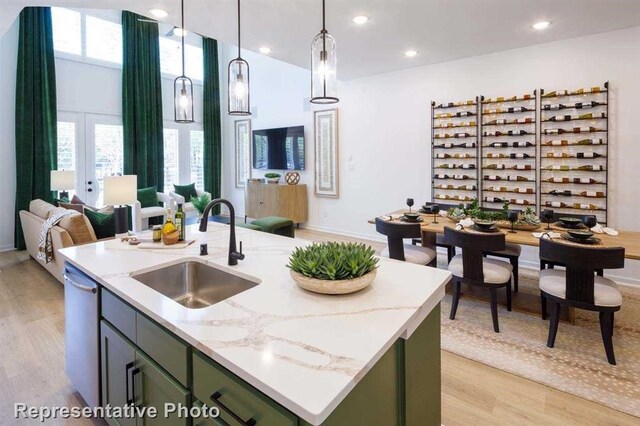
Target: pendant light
<point>324,83</point>
<point>238,82</point>
<point>183,89</point>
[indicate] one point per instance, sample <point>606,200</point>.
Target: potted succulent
<point>200,203</point>
<point>333,268</point>
<point>272,177</point>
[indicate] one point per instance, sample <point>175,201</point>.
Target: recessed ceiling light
<point>265,50</point>
<point>360,20</point>
<point>179,32</point>
<point>541,25</point>
<point>410,53</point>
<point>159,13</point>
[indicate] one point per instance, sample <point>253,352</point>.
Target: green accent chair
<point>276,225</point>
<point>249,226</point>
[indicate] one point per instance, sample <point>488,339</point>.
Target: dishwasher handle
<point>69,278</point>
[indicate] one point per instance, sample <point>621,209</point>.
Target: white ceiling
<point>441,30</point>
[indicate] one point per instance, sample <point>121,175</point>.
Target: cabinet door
<point>117,361</point>
<point>204,420</point>
<point>155,388</point>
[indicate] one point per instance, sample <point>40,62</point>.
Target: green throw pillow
<point>187,191</point>
<point>103,224</point>
<point>148,197</point>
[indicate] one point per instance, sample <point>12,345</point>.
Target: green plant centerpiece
<point>201,202</point>
<point>527,219</point>
<point>272,177</point>
<point>333,268</point>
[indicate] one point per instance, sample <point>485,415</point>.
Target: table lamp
<point>62,181</point>
<point>120,191</point>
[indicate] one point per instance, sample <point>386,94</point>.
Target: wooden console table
<point>267,199</point>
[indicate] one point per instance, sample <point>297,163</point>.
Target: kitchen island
<point>274,353</point>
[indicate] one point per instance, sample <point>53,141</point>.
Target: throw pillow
<point>79,228</point>
<point>69,206</point>
<point>187,191</point>
<point>58,201</point>
<point>103,224</point>
<point>148,197</point>
<point>76,200</point>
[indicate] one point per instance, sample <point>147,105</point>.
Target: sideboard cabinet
<point>268,199</point>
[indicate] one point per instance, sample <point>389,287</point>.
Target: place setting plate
<point>586,241</point>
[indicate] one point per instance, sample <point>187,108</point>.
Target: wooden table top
<point>630,240</point>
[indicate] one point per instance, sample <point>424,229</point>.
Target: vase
<point>273,180</point>
<point>292,178</point>
<point>333,286</point>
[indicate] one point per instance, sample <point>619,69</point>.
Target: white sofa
<point>187,206</point>
<point>140,215</point>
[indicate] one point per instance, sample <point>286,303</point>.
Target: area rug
<point>576,365</point>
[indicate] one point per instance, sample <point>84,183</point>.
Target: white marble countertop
<point>304,350</point>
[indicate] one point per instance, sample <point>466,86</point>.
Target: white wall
<point>8,66</point>
<point>384,122</point>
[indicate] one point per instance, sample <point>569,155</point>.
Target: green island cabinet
<point>145,364</point>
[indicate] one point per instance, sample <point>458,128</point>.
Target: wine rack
<point>574,151</point>
<point>508,151</point>
<point>454,152</point>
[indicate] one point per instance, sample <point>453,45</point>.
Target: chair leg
<point>543,265</point>
<point>600,272</point>
<point>553,324</point>
<point>606,327</point>
<point>543,305</point>
<point>451,252</point>
<point>509,296</point>
<point>494,309</point>
<point>456,299</point>
<point>514,265</point>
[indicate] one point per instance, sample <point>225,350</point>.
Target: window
<point>109,147</point>
<point>197,157</point>
<point>171,159</point>
<point>171,59</point>
<point>87,36</point>
<point>67,30</point>
<point>66,145</point>
<point>104,40</point>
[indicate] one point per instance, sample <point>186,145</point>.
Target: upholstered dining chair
<point>440,242</point>
<point>579,287</point>
<point>396,249</point>
<point>511,252</point>
<point>471,267</point>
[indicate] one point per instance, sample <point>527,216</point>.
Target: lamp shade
<point>120,190</point>
<point>63,180</point>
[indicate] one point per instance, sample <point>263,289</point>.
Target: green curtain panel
<point>212,131</point>
<point>36,114</point>
<point>142,101</point>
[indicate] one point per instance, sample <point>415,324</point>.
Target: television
<point>279,149</point>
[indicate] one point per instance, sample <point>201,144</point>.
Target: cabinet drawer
<point>119,314</point>
<point>238,398</point>
<point>165,349</point>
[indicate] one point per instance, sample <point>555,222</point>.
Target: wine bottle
<point>523,120</point>
<point>589,142</point>
<point>565,193</point>
<point>461,177</point>
<point>464,114</point>
<point>518,109</point>
<point>584,180</point>
<point>590,168</point>
<point>492,177</point>
<point>558,167</point>
<point>494,200</point>
<point>560,118</point>
<point>592,194</point>
<point>446,166</point>
<point>555,93</point>
<point>467,187</point>
<point>524,190</point>
<point>443,156</point>
<point>591,104</point>
<point>499,144</point>
<point>557,204</point>
<point>180,222</point>
<point>519,155</point>
<point>467,166</point>
<point>522,167</point>
<point>495,167</point>
<point>466,145</point>
<point>557,142</point>
<point>462,135</point>
<point>444,115</point>
<point>521,144</point>
<point>520,179</point>
<point>494,155</point>
<point>441,176</point>
<point>169,227</point>
<point>551,107</point>
<point>557,155</point>
<point>519,202</point>
<point>582,206</point>
<point>497,121</point>
<point>588,155</point>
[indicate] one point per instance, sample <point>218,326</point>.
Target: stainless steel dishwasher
<point>81,334</point>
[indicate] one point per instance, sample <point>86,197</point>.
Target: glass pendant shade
<point>239,87</point>
<point>183,100</point>
<point>324,67</point>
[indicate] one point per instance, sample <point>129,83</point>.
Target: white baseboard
<point>7,248</point>
<point>367,237</point>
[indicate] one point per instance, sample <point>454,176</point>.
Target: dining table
<point>523,301</point>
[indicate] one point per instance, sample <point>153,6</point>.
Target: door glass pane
<point>67,32</point>
<point>197,158</point>
<point>171,140</point>
<point>109,150</point>
<point>104,40</point>
<point>66,145</point>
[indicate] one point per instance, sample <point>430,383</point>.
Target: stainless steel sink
<point>194,284</point>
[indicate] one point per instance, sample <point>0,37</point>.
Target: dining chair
<point>473,268</point>
<point>396,233</point>
<point>511,253</point>
<point>440,242</point>
<point>578,286</point>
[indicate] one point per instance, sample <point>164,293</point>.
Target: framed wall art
<point>243,152</point>
<point>326,153</point>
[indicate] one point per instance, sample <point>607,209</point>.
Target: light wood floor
<point>32,363</point>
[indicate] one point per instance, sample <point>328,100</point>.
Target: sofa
<point>72,230</point>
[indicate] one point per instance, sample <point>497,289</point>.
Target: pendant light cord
<point>182,13</point>
<point>323,18</point>
<point>239,29</point>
